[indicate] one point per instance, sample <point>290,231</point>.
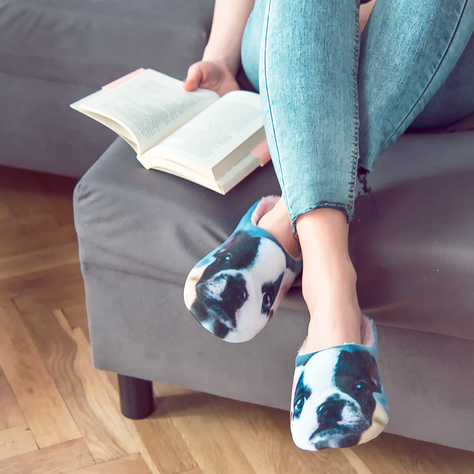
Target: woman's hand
<point>212,75</point>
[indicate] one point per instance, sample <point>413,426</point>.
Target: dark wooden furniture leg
<point>136,397</point>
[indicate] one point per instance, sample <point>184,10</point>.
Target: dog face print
<point>335,399</point>
<point>235,294</point>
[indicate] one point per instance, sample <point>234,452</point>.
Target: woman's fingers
<point>194,78</point>
<point>212,75</point>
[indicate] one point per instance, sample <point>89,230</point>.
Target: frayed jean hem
<point>339,206</point>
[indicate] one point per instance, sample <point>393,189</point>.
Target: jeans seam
<point>387,142</point>
<point>265,78</point>
<point>355,150</point>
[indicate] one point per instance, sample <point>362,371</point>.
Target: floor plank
<point>356,461</point>
<point>10,412</point>
<point>37,241</point>
<point>160,442</point>
<point>165,449</point>
<point>34,389</point>
<point>98,396</point>
<point>59,459</point>
<point>58,194</point>
<point>5,212</point>
<point>68,294</point>
<point>396,455</point>
<point>14,441</point>
<point>20,194</point>
<point>133,464</point>
<point>38,260</point>
<point>19,228</point>
<point>77,318</point>
<point>250,424</point>
<point>37,283</point>
<point>68,362</point>
<point>217,451</point>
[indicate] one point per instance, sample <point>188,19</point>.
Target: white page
<point>216,131</point>
<point>151,106</point>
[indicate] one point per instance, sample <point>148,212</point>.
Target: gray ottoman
<point>140,232</point>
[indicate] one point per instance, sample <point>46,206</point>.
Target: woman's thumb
<point>193,78</point>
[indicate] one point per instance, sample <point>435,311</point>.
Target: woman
<point>332,101</point>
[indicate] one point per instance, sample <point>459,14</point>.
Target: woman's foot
<point>337,399</point>
<point>336,318</point>
<point>329,278</point>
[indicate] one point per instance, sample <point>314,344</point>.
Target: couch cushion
<point>414,256</point>
<point>91,42</point>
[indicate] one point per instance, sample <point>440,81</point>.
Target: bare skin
<point>329,278</point>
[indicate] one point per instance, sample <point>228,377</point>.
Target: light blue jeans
<point>333,100</point>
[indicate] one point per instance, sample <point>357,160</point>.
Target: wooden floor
<point>59,415</point>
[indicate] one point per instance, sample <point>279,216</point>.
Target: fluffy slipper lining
<point>265,205</point>
<point>367,335</point>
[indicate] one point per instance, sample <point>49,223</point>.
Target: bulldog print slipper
<point>234,291</point>
<point>338,399</point>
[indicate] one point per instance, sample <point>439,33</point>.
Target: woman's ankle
<point>329,281</point>
<point>277,222</point>
<point>335,315</point>
<point>329,331</point>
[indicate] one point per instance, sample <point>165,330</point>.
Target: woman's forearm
<point>228,24</point>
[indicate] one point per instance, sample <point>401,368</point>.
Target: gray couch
<point>54,52</point>
<point>140,232</point>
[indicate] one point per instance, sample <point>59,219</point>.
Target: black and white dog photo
<point>338,399</point>
<point>234,291</point>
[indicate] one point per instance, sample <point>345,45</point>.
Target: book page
<point>226,182</point>
<point>238,172</point>
<point>215,133</point>
<point>149,106</point>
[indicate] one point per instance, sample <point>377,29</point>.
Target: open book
<point>215,142</point>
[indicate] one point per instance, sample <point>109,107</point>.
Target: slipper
<point>338,399</point>
<point>234,291</point>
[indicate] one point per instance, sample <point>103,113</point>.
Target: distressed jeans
<point>333,99</point>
